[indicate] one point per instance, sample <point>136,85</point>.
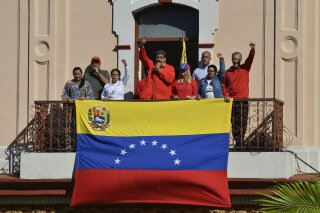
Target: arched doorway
<point>164,26</point>
<point>125,25</point>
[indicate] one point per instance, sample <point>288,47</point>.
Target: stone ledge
<point>241,165</point>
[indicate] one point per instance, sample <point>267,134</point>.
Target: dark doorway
<point>173,50</point>
<point>164,26</point>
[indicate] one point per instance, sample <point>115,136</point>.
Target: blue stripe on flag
<point>190,152</point>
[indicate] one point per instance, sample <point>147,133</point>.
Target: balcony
<point>258,124</point>
<point>50,139</point>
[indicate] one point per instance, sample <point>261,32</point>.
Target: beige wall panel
<point>23,112</point>
<point>289,16</point>
<point>269,50</point>
<point>41,79</point>
<point>289,48</point>
<point>317,79</point>
<point>90,34</point>
<point>236,28</point>
<point>289,86</point>
<point>42,17</point>
<point>62,46</point>
<point>310,71</point>
<point>42,50</point>
<point>8,70</point>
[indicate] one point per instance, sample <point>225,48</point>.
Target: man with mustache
<point>235,84</point>
<point>160,75</point>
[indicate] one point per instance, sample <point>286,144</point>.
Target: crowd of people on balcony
<point>161,83</point>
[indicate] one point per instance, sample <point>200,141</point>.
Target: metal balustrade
<point>257,125</point>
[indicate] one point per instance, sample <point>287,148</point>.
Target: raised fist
<point>252,45</point>
<point>219,55</point>
<point>142,42</point>
<point>124,61</point>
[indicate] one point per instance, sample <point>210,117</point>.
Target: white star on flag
<point>143,143</point>
<point>117,161</point>
<point>132,146</point>
<point>177,162</point>
<point>172,152</point>
<point>164,146</point>
<point>123,152</point>
<point>154,143</point>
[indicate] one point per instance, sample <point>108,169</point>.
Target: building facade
<point>42,40</point>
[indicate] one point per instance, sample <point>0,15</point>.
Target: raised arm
<point>147,63</point>
<point>222,67</point>
<point>247,64</point>
<point>126,73</point>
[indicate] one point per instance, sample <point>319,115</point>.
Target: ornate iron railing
<point>54,127</point>
<point>257,125</point>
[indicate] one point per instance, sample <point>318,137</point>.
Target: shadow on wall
<point>22,143</point>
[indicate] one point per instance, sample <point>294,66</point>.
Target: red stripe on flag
<point>204,188</point>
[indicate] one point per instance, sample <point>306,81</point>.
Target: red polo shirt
<point>161,82</point>
<point>184,89</point>
<point>235,83</point>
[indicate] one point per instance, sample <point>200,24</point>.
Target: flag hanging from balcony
<point>152,152</point>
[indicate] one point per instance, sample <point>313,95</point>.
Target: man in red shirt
<point>161,75</point>
<point>235,84</point>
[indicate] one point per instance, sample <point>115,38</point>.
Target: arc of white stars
<point>172,152</point>
<point>177,162</point>
<point>123,152</point>
<point>117,161</point>
<point>143,142</point>
<point>164,146</point>
<point>154,143</point>
<point>132,146</point>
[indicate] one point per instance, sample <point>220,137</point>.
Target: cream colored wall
<point>295,36</point>
<point>236,29</point>
<point>9,70</point>
<point>36,62</point>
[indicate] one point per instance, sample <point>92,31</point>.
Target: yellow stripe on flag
<point>190,117</point>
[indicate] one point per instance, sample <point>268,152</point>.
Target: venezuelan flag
<point>152,152</point>
<point>183,59</point>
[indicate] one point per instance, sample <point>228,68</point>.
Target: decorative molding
<point>206,45</point>
<point>289,56</point>
<point>290,15</point>
<point>122,47</point>
<point>289,44</point>
<point>42,17</point>
<point>165,1</point>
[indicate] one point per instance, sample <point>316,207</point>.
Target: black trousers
<point>240,111</point>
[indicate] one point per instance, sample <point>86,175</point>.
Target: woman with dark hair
<point>77,88</point>
<point>114,90</point>
<point>210,86</point>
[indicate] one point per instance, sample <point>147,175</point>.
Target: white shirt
<point>200,73</point>
<point>209,90</point>
<point>115,91</point>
